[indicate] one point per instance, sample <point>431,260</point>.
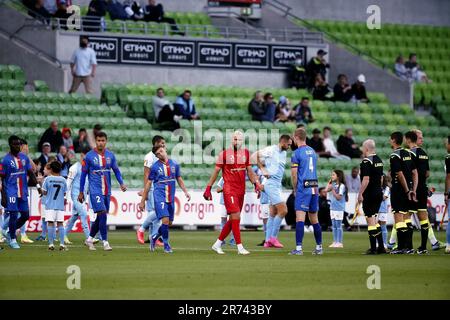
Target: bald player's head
<point>237,139</point>
<point>368,147</point>
<point>300,136</point>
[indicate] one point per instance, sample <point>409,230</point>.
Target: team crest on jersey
<point>95,160</point>
<point>232,158</point>
<point>172,169</point>
<point>108,160</point>
<point>23,162</point>
<point>13,165</point>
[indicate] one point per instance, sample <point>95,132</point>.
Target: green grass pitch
<point>194,271</point>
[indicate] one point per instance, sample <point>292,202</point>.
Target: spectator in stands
<point>83,65</point>
<point>353,181</point>
<point>324,210</point>
<point>316,143</point>
<point>68,142</point>
<point>116,10</point>
<point>400,69</point>
<point>164,112</point>
<point>81,142</point>
<point>62,14</point>
<point>133,10</point>
<point>321,90</point>
<point>329,145</point>
<point>303,113</point>
<point>342,90</point>
<point>39,11</point>
<point>297,74</point>
<point>185,106</point>
<point>94,20</point>
<point>416,71</point>
<point>63,158</point>
<point>91,135</point>
<point>359,90</point>
<point>269,106</point>
<point>284,112</point>
<point>44,157</point>
<point>317,65</point>
<point>50,6</point>
<point>256,107</point>
<point>53,136</point>
<point>347,146</point>
<point>155,12</point>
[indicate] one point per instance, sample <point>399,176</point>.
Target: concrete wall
<point>429,12</point>
<point>377,80</point>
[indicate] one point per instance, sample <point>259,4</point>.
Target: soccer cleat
<point>267,244</point>
<point>90,245</point>
<point>67,241</point>
<point>5,234</point>
<point>437,245</point>
<point>96,240</point>
<point>339,245</point>
<point>296,252</point>
<point>447,249</point>
<point>167,248</point>
<point>333,245</point>
<point>317,252</point>
<point>243,251</point>
<point>51,247</point>
<point>217,249</point>
<point>275,243</point>
<point>261,244</point>
<point>409,251</point>
<point>370,252</point>
<point>159,243</point>
<point>40,238</point>
<point>140,237</point>
<point>63,248</point>
<point>391,246</point>
<point>107,247</point>
<point>25,239</point>
<point>421,251</point>
<point>397,251</point>
<point>14,245</point>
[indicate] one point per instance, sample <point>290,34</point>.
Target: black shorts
<point>422,200</point>
<point>371,204</point>
<point>399,201</point>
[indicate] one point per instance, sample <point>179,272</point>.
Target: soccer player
<point>447,193</point>
<point>55,188</point>
<point>371,194</point>
<point>383,211</point>
<point>163,175</point>
<point>97,166</point>
<point>233,162</point>
<point>304,182</point>
<point>404,186</point>
<point>223,213</point>
<point>272,161</point>
<point>46,171</point>
<point>151,223</point>
<point>78,210</point>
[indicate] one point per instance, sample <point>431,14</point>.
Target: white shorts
<point>223,211</point>
<point>54,215</point>
<point>337,215</point>
<point>382,216</point>
<point>265,211</point>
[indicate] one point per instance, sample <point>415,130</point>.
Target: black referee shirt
<point>421,161</point>
<point>372,167</point>
<point>401,161</point>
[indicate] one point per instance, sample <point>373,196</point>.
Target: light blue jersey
<point>274,159</point>
<point>56,188</point>
<point>338,205</point>
<point>220,185</point>
<point>73,182</point>
<point>384,203</point>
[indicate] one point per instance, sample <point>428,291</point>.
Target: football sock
<point>317,233</point>
<point>384,233</point>
<point>235,226</point>
<point>299,232</point>
<point>22,219</point>
<point>393,238</point>
<point>340,231</point>
<point>51,234</point>
<point>23,231</point>
<point>61,234</point>
<point>372,230</point>
<point>12,224</point>
<point>84,225</point>
<point>225,231</point>
<point>71,223</point>
<point>333,229</point>
<point>165,233</point>
<point>269,227</point>
<point>94,227</point>
<point>424,225</point>
<point>402,229</point>
<point>409,233</point>
<point>102,225</point>
<point>156,223</point>
<point>276,226</point>
<point>146,224</point>
<point>379,237</point>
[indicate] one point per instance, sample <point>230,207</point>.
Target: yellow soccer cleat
<point>25,239</point>
<point>67,241</point>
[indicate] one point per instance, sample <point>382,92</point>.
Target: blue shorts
<point>306,201</point>
<point>100,203</point>
<point>165,209</point>
<point>273,193</point>
<point>14,204</point>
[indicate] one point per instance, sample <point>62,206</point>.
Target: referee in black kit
<point>371,194</point>
<point>404,186</point>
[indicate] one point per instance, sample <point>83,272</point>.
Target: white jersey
<point>149,160</point>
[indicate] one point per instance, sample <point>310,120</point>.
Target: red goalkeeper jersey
<point>234,166</point>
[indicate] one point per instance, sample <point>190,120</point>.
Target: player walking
<point>223,211</point>
<point>14,187</point>
<point>371,194</point>
<point>304,181</point>
<point>272,161</point>
<point>97,166</point>
<point>78,210</point>
<point>163,175</point>
<point>404,186</point>
<point>233,162</point>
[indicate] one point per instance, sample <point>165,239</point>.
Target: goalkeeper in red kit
<point>234,163</point>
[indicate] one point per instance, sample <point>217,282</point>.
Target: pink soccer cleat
<point>140,237</point>
<point>275,243</point>
<point>267,244</point>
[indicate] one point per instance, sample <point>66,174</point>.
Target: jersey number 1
<point>311,165</point>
